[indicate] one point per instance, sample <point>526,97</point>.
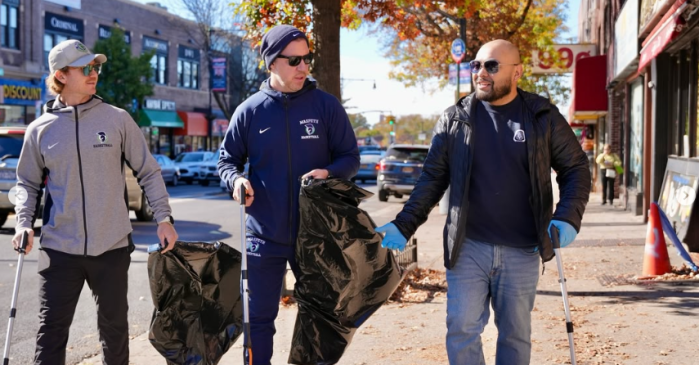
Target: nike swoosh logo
<point>264,130</point>
<point>53,145</point>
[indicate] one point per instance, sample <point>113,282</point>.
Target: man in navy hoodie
<point>288,131</point>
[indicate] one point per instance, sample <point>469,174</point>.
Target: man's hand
<point>166,231</point>
<point>392,239</point>
<point>17,239</point>
<point>316,174</point>
<point>249,193</point>
<point>566,232</point>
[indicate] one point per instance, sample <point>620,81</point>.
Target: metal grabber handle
<point>564,291</point>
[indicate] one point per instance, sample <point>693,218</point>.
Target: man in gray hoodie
<point>77,151</point>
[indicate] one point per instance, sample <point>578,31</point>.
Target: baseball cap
<point>72,53</point>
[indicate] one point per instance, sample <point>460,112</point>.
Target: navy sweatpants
<point>266,267</point>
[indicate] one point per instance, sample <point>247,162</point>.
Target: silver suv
<point>11,140</point>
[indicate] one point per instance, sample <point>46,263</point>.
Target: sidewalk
<point>615,323</point>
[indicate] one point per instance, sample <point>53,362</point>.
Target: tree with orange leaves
<point>420,32</point>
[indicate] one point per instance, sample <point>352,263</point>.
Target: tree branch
<point>521,20</point>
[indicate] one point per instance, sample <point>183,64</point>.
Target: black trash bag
<point>344,273</point>
<point>198,310</point>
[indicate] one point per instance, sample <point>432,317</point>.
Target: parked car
<point>400,169</point>
<point>168,169</point>
<point>208,171</point>
<point>189,164</point>
<point>11,140</point>
<point>368,166</point>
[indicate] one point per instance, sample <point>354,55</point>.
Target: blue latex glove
<point>566,232</point>
<point>392,239</point>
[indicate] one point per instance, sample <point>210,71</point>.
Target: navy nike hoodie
<point>284,136</point>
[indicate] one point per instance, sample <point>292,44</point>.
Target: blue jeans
<point>485,274</point>
<point>266,268</point>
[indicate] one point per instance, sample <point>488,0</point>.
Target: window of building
<point>188,68</point>
<point>9,35</point>
<point>159,61</point>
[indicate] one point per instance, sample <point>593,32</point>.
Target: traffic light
<point>393,133</point>
<point>391,121</point>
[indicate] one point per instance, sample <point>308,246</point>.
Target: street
<point>201,214</point>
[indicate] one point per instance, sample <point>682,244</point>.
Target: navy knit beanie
<point>276,39</point>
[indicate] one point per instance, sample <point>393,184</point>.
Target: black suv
<point>400,169</point>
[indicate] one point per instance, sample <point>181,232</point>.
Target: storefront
<point>670,58</point>
<point>157,120</point>
<point>193,136</point>
<point>625,128</point>
<point>19,101</point>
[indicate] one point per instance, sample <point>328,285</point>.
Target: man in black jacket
<point>496,149</point>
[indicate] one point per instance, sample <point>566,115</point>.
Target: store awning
<point>195,124</point>
<point>219,127</point>
<point>159,118</point>
<point>589,99</point>
<point>664,33</point>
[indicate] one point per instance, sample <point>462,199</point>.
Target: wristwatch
<point>168,219</point>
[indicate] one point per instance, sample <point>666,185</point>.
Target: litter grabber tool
<point>13,308</point>
<point>564,292</point>
<point>247,345</point>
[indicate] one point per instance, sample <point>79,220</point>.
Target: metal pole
<point>15,293</point>
<point>564,291</point>
<point>247,344</point>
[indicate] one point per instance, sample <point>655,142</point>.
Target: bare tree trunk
<point>326,31</point>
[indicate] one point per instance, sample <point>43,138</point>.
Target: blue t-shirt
<point>500,211</point>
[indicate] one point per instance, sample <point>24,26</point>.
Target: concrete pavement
<point>615,322</point>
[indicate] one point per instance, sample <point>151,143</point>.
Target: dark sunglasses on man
<point>87,69</point>
<point>296,60</point>
<point>491,66</point>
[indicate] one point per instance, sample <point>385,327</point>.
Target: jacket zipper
<point>291,180</point>
<point>80,168</point>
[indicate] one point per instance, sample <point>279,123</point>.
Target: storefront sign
<point>569,54</point>
<point>63,24</point>
<point>75,4</point>
<point>158,45</point>
<point>218,79</point>
<point>626,37</point>
<point>657,41</point>
<point>104,32</point>
<point>188,53</point>
<point>158,104</point>
<point>17,92</point>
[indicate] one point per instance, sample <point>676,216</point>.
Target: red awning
<point>662,35</point>
<point>589,99</point>
<point>195,124</point>
<point>219,127</point>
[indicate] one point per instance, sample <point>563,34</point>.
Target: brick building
<point>174,119</point>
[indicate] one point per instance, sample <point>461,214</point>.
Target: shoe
<point>611,202</point>
<point>604,202</point>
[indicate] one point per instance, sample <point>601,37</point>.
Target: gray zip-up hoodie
<point>79,152</point>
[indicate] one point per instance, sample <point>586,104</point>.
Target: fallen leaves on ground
<point>419,286</point>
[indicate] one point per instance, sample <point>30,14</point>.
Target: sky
<point>362,57</point>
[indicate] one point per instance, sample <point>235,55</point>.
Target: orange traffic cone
<point>656,260</point>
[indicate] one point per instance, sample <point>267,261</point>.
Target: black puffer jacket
<point>550,144</point>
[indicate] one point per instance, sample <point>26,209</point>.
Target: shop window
<point>50,40</point>
<point>9,34</point>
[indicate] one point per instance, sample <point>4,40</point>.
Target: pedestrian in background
<point>76,150</point>
<point>288,131</point>
<point>609,163</point>
<point>496,148</point>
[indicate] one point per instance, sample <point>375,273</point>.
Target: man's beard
<point>496,93</point>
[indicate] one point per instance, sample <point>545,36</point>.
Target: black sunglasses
<point>87,69</point>
<point>491,66</point>
<point>296,60</point>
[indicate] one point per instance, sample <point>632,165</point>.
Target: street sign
<point>464,74</point>
<point>458,50</point>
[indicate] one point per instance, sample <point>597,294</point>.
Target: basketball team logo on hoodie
<point>309,125</point>
<point>102,138</point>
